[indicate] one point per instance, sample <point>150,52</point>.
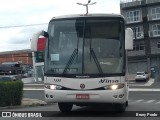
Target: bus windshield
<point>85,46</point>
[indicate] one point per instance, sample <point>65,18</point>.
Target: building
<point>17,62</point>
<point>143,16</point>
<point>22,56</point>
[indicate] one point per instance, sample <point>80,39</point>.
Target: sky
<point>20,19</point>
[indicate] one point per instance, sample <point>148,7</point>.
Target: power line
<point>23,25</point>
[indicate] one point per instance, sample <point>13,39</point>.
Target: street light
<point>87,5</point>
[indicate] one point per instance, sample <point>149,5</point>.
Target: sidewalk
<point>32,102</point>
<point>28,80</point>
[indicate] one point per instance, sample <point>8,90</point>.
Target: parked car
<point>142,76</point>
<point>7,78</point>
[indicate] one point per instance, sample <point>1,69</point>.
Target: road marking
<point>143,101</point>
<point>34,84</point>
<point>140,89</point>
<point>32,89</point>
<point>158,102</point>
<point>149,83</point>
<point>137,101</point>
<point>151,94</point>
<point>149,101</point>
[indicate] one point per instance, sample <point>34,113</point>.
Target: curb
<point>32,102</point>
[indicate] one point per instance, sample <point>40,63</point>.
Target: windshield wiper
<point>70,61</point>
<point>96,60</point>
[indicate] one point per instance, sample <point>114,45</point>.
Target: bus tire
<point>120,107</point>
<point>65,107</point>
<point>126,103</point>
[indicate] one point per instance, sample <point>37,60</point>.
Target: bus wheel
<point>126,103</point>
<point>65,107</point>
<point>120,107</point>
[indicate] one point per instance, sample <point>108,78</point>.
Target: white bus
<point>85,60</point>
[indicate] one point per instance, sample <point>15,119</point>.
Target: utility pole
<point>86,5</point>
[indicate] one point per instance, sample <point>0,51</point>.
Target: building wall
<point>155,61</point>
<point>143,60</point>
<point>154,46</point>
<point>24,57</point>
<point>136,53</point>
<point>137,66</point>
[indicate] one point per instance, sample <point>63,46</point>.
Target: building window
<point>138,47</point>
<point>138,32</point>
<point>141,46</point>
<point>155,13</point>
<point>158,44</point>
<point>133,16</point>
<point>156,30</point>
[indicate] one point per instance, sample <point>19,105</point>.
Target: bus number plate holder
<point>82,96</point>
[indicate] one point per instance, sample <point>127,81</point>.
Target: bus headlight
<point>114,86</point>
<point>53,87</point>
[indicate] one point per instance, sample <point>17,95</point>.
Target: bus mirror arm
<point>45,34</point>
<point>35,37</point>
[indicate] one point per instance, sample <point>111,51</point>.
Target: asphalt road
<point>146,95</point>
<point>139,102</point>
<point>93,113</point>
<point>133,95</point>
<point>34,94</point>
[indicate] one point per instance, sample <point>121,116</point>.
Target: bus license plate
<point>82,96</point>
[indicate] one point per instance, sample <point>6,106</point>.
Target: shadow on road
<point>96,111</point>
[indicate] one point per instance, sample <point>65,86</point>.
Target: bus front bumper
<point>94,96</point>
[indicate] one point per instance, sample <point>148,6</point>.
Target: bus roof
<point>88,15</point>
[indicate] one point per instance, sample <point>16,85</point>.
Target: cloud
<point>26,34</point>
<point>18,38</point>
<point>25,12</point>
